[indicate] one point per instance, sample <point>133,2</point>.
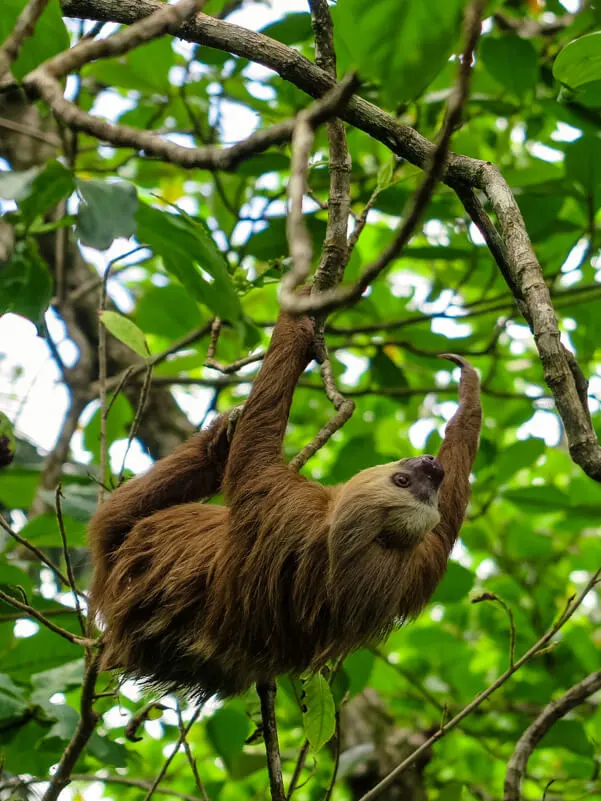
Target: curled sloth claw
<point>456,359</point>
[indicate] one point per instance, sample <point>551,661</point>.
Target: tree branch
<point>81,735</point>
<point>479,699</point>
<point>459,172</point>
<point>553,712</point>
<point>267,691</point>
<point>29,611</point>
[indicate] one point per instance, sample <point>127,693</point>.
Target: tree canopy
<point>170,175</point>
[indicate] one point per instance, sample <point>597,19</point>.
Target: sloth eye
<point>401,479</point>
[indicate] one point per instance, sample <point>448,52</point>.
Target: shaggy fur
<point>211,599</point>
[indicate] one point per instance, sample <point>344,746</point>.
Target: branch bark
<point>553,712</point>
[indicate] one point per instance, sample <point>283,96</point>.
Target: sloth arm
<point>193,471</point>
<point>255,465</point>
<point>427,563</point>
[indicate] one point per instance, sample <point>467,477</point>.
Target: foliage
<point>213,244</point>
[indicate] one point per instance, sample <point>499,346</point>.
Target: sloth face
<point>392,505</point>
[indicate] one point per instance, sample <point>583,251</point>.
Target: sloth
<point>289,573</point>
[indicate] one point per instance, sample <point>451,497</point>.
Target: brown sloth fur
<point>290,573</point>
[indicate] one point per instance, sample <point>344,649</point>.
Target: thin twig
<point>133,429</point>
<point>32,133</point>
<point>29,611</point>
<point>361,220</point>
<point>116,383</point>
<point>553,712</point>
<point>326,301</point>
<point>298,768</point>
<point>11,618</point>
<point>538,646</point>
<point>299,240</point>
<point>66,554</point>
<point>102,382</point>
<point>161,774</point>
<point>334,776</point>
<point>84,730</point>
<point>188,752</point>
<point>267,692</point>
<point>491,596</point>
<point>44,81</point>
<point>36,551</point>
<point>125,781</point>
<point>334,254</point>
<point>344,411</point>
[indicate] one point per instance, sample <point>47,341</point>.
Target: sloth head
<point>391,506</point>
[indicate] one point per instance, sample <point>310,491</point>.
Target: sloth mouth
<point>426,474</point>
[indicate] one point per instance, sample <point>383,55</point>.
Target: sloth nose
<point>431,468</point>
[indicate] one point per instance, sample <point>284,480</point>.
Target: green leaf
<point>358,667</point>
<point>455,586</point>
<point>568,734</point>
<point>131,71</point>
<point>107,211</point>
<point>119,419</point>
<point>107,751</point>
<point>454,791</point>
<point>404,55</point>
<point>516,457</point>
<point>189,254</point>
<point>7,441</point>
<point>51,186</point>
<point>386,373</point>
<point>512,62</point>
<point>319,713</point>
<point>544,498</point>
<point>43,530</point>
<point>12,700</point>
<point>40,652</point>
<point>50,36</point>
<point>25,283</point>
<point>293,28</point>
<point>126,331</point>
<point>583,166</point>
<point>65,721</point>
<point>60,679</point>
<point>385,173</point>
<point>579,62</point>
<point>168,311</point>
<point>15,184</point>
<point>272,243</point>
<point>18,487</point>
<point>227,730</point>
